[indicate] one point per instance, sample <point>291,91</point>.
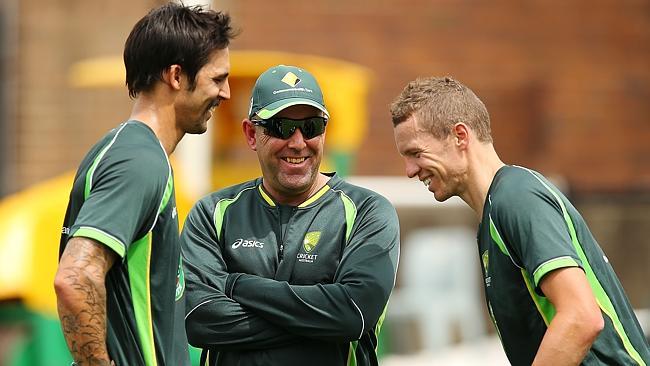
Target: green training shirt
<point>123,197</point>
<point>278,285</point>
<point>529,229</point>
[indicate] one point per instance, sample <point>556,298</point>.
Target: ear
<point>173,76</point>
<point>249,133</point>
<point>460,133</point>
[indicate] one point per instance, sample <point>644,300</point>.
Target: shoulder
<point>364,199</point>
<point>133,160</point>
<point>521,191</point>
<point>227,195</point>
<point>136,148</point>
<point>515,179</point>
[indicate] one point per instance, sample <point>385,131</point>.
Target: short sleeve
<point>125,191</point>
<point>531,221</point>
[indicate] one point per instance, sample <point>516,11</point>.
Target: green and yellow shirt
<point>529,229</point>
<point>278,285</point>
<point>123,197</point>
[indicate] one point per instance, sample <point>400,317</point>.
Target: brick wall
<point>567,84</point>
<point>56,124</point>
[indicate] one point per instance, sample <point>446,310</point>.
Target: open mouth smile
<point>294,160</point>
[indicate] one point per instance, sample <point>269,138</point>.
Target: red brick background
<point>567,85</point>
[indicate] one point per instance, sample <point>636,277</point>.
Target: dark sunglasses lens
<point>312,127</point>
<point>273,128</point>
<point>284,128</point>
<point>309,129</point>
<point>287,128</point>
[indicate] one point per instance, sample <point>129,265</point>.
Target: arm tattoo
<point>81,299</point>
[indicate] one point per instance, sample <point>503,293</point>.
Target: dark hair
<point>173,34</point>
<point>440,102</point>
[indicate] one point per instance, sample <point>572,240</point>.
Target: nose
<point>412,168</point>
<point>224,93</point>
<point>297,140</point>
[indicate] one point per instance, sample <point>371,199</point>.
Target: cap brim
<point>274,108</point>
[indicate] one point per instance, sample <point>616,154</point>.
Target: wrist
<point>230,284</point>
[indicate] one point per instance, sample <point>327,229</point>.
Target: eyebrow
<point>221,76</point>
<point>410,151</point>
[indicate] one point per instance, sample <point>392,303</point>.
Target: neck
<point>483,166</point>
<point>296,200</point>
<point>160,116</point>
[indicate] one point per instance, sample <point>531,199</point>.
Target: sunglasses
<point>283,128</point>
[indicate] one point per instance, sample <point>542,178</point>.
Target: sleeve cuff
<point>230,284</point>
<point>551,265</point>
<point>110,241</point>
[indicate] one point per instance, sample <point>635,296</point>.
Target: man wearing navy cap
<point>294,267</point>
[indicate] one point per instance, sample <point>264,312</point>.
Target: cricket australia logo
<point>486,262</point>
<point>308,244</point>
<point>311,240</point>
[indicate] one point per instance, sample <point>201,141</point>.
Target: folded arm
<point>345,309</point>
<point>214,320</point>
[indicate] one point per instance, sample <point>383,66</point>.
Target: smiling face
<point>289,167</point>
<point>194,107</point>
<point>439,164</point>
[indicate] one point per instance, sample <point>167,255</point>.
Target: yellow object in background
<point>30,231</point>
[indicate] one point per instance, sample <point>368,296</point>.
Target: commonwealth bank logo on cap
<point>291,79</point>
<point>283,86</point>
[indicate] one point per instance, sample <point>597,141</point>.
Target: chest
<point>508,295</point>
<point>301,246</point>
<point>502,276</point>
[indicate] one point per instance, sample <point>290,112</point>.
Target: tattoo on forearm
<point>83,311</point>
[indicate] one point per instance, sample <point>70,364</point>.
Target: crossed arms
<point>244,311</point>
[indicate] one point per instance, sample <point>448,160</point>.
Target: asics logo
<point>247,244</point>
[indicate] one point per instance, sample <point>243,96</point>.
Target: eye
<point>308,129</point>
<point>413,154</point>
<point>220,79</point>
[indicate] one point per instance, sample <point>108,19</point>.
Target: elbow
<point>194,336</point>
<point>63,285</point>
<point>352,327</point>
<point>351,331</point>
<point>343,328</point>
<point>594,326</point>
<point>71,283</point>
<point>196,332</point>
<point>589,325</point>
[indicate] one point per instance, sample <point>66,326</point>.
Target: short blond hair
<point>439,103</point>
